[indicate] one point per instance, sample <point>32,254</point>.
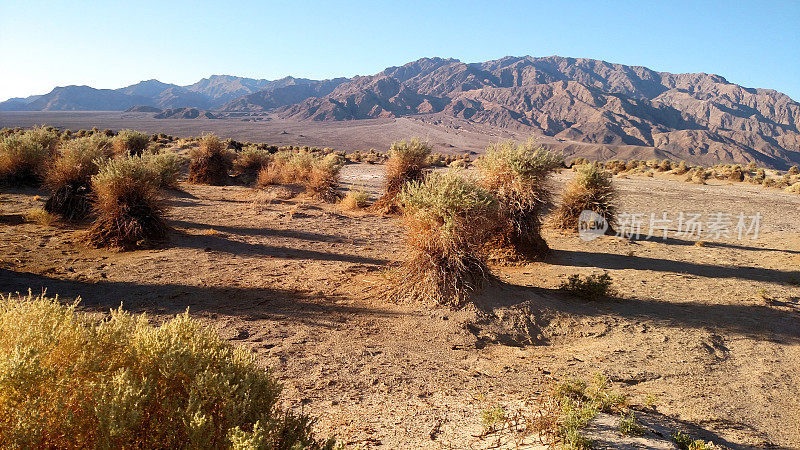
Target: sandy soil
<point>303,285</point>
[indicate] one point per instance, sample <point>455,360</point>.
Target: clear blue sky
<point>112,44</point>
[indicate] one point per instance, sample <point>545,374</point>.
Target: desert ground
<point>710,329</point>
<point>445,134</point>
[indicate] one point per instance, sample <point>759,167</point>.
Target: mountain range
<point>570,99</point>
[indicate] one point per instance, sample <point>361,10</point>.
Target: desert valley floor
<point>711,329</point>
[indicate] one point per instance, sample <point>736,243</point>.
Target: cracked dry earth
<point>303,285</point>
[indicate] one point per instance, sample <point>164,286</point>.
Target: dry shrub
<point>447,218</point>
<point>518,175</point>
<point>681,168</point>
<point>407,162</point>
<point>70,381</point>
<point>354,199</point>
<point>24,155</point>
<point>40,216</point>
<point>592,189</point>
<point>128,205</point>
<point>69,177</point>
<point>319,176</point>
<point>210,162</point>
<point>166,168</point>
<point>248,164</point>
<point>130,142</point>
<point>736,174</point>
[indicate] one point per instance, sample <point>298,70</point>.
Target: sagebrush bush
<point>69,177</point>
<point>130,142</point>
<point>447,218</point>
<point>593,287</point>
<point>319,175</point>
<point>249,162</point>
<point>70,381</point>
<point>518,175</point>
<point>354,199</point>
<point>407,162</point>
<point>129,205</point>
<point>210,162</point>
<point>24,155</point>
<point>166,168</point>
<point>592,189</point>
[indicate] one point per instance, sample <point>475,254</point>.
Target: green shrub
<point>447,218</point>
<point>592,189</point>
<point>518,175</point>
<point>166,168</point>
<point>407,161</point>
<point>70,381</point>
<point>130,142</point>
<point>593,287</point>
<point>25,154</point>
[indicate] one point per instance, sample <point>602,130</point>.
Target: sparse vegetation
<point>131,143</point>
<point>128,205</point>
<point>210,162</point>
<point>629,426</point>
<point>593,287</point>
<point>592,189</point>
<point>518,174</point>
<point>447,218</point>
<point>319,175</point>
<point>407,162</point>
<point>70,381</point>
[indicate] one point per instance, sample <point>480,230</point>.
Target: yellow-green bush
<point>447,218</point>
<point>24,154</point>
<point>166,167</point>
<point>407,162</point>
<point>518,175</point>
<point>70,381</point>
<point>130,142</point>
<point>592,189</point>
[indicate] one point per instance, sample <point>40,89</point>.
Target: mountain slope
<point>580,100</point>
<point>583,101</point>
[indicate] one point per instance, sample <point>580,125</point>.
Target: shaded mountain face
<point>682,116</point>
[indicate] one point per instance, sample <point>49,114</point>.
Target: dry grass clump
<point>69,177</point>
<point>355,199</point>
<point>129,205</point>
<point>592,189</point>
<point>517,175</point>
<point>70,381</point>
<point>249,162</point>
<point>210,162</point>
<point>24,154</point>
<point>319,175</point>
<point>130,142</point>
<point>407,162</point>
<point>447,218</point>
<point>40,216</point>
